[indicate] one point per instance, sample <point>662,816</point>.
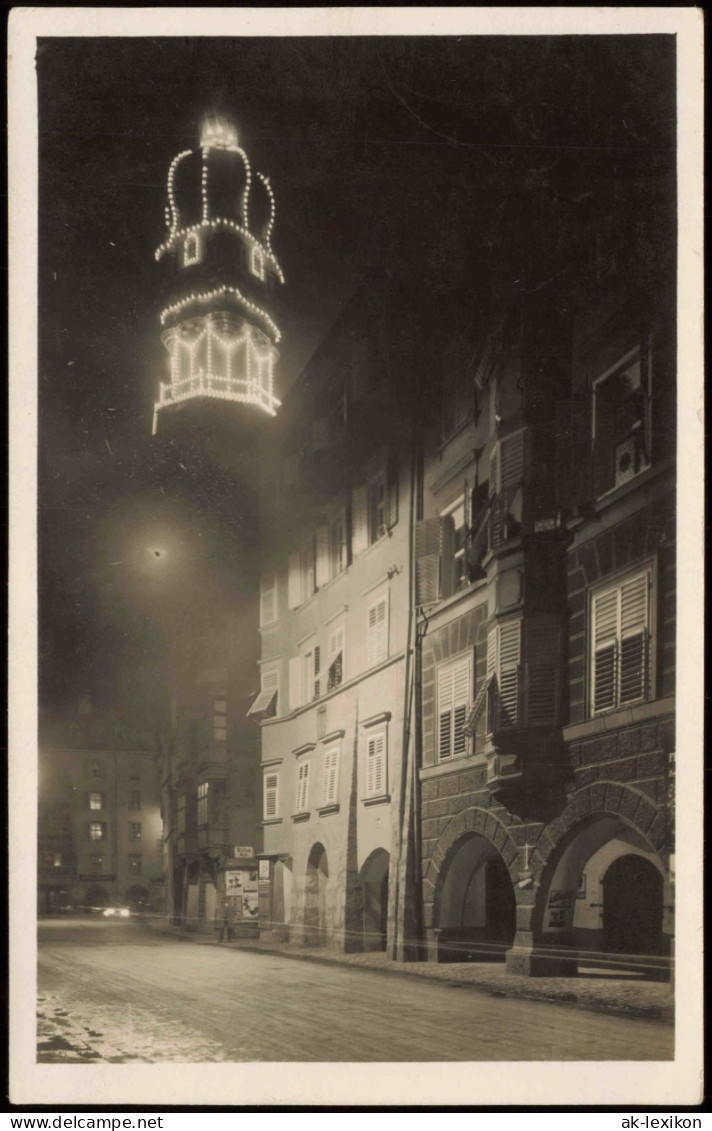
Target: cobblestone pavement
<point>622,994</point>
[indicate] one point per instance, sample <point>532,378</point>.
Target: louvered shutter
<point>392,487</point>
<point>428,541</point>
<point>447,555</point>
<point>295,580</point>
<point>295,682</point>
<point>542,667</point>
<point>323,572</point>
<point>375,773</point>
<point>492,651</point>
<point>445,700</point>
<point>493,468</point>
<point>511,451</point>
<point>377,633</point>
<point>359,520</point>
<point>303,787</point>
<point>461,702</point>
<point>509,649</point>
<point>605,649</point>
<point>271,798</point>
<point>268,598</point>
<point>317,667</point>
<point>331,765</point>
<point>634,633</point>
<point>336,658</point>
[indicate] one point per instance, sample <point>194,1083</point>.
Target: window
<point>321,722</point>
<point>330,784</point>
<point>507,465</point>
<point>97,769</point>
<point>135,863</point>
<point>57,860</point>
<point>191,249</point>
<point>271,796</point>
<point>335,658</point>
<point>97,831</point>
<point>454,695</point>
<point>621,423</point>
<point>135,799</point>
<point>203,803</point>
<point>96,864</point>
<point>180,815</point>
<point>503,660</point>
<point>457,404</point>
<point>337,544</point>
<point>267,702</point>
<point>96,800</point>
<point>377,507</point>
<point>303,787</point>
<point>377,632</point>
<point>458,522</point>
<point>268,599</point>
<point>220,720</point>
<point>301,580</point>
<point>304,683</point>
<point>257,262</point>
<point>374,505</point>
<point>620,619</point>
<point>134,830</point>
<point>376,777</point>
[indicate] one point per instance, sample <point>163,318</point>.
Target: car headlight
<point>124,912</point>
<point>109,911</point>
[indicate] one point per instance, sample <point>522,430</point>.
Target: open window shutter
<point>492,651</point>
<point>359,520</point>
<point>447,555</point>
<point>634,639</point>
<point>428,541</point>
<point>511,461</point>
<point>445,701</point>
<point>461,681</point>
<point>268,598</point>
<point>509,656</point>
<point>295,580</point>
<point>295,682</point>
<point>392,489</point>
<point>605,649</point>
<point>322,555</point>
<point>493,470</point>
<point>317,666</point>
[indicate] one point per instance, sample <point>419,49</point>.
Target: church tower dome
<point>220,276</point>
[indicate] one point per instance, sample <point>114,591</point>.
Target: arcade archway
<point>374,887</point>
<point>315,897</point>
<point>476,909</point>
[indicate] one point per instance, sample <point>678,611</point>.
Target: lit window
<point>335,659</point>
<point>620,646</point>
<point>303,788</point>
<point>271,796</point>
<point>257,262</point>
<point>97,831</point>
<point>96,800</point>
<point>620,423</point>
<point>330,783</point>
<point>203,803</point>
<point>135,799</point>
<point>135,864</point>
<point>134,830</point>
<point>57,860</point>
<point>191,249</point>
<point>376,778</point>
<point>454,687</point>
<point>377,632</point>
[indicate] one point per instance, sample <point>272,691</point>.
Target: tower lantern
<point>221,276</point>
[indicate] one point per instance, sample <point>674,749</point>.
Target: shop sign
<point>246,851</point>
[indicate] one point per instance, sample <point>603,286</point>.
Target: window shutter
<point>392,488</point>
<point>322,555</point>
<point>359,520</point>
<point>493,469</point>
<point>542,667</point>
<point>445,701</point>
<point>307,573</point>
<point>271,786</point>
<point>511,461</point>
<point>295,580</point>
<point>447,554</point>
<point>509,656</point>
<point>461,701</point>
<point>317,667</point>
<point>633,650</point>
<point>492,651</point>
<point>375,772</point>
<point>268,598</point>
<point>295,682</point>
<point>605,649</point>
<point>377,634</point>
<point>303,788</point>
<point>428,541</point>
<point>331,765</point>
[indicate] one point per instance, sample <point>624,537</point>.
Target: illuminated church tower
<point>221,276</point>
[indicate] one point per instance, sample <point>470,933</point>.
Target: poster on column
<point>241,893</point>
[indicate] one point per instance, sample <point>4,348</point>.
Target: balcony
<point>212,838</point>
<point>186,843</point>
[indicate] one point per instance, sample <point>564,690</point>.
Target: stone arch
<point>315,897</point>
<point>373,884</point>
<point>473,820</point>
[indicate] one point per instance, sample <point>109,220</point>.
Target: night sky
<point>400,158</point>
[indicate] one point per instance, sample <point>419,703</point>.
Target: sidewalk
<point>622,994</point>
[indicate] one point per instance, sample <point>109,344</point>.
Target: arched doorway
<point>281,909</point>
<point>632,907</point>
<point>374,886</point>
<point>96,896</point>
<point>315,892</point>
<point>137,898</point>
<point>476,910</point>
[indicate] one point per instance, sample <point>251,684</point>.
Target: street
<point>113,991</point>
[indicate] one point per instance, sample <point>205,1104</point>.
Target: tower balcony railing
<point>220,388</point>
